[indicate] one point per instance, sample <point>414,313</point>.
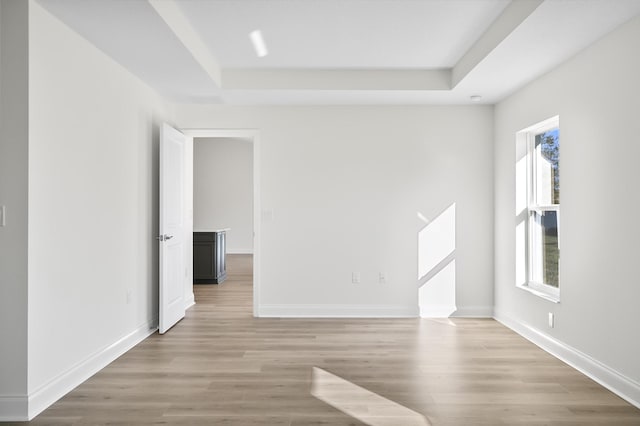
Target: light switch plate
<point>267,215</point>
<point>3,215</point>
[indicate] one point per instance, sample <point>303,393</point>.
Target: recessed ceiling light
<point>475,98</point>
<point>258,43</point>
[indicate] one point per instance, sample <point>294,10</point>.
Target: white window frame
<point>543,290</point>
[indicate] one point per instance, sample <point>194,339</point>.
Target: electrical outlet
<point>551,320</point>
<point>382,278</point>
<point>355,277</point>
<point>128,296</point>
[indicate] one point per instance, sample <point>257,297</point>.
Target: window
<point>543,209</point>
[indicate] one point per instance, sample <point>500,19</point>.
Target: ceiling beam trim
<point>297,79</point>
<point>171,13</point>
<point>510,19</point>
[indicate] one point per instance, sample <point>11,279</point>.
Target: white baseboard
<point>190,300</point>
<point>338,311</point>
<point>436,311</point>
<point>239,251</point>
<point>625,387</point>
<point>14,408</point>
<point>453,312</point>
<point>68,380</point>
<point>473,312</point>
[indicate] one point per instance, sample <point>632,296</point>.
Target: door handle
<point>164,237</point>
<point>168,237</point>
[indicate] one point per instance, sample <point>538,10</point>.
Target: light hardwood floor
<point>221,366</point>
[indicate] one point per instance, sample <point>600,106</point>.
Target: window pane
<point>545,250</point>
<point>547,168</point>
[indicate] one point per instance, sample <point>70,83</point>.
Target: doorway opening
<point>223,193</point>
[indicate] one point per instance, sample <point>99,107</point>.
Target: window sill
<point>544,295</point>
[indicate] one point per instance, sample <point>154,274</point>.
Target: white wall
<point>597,96</point>
<point>188,215</point>
<point>93,154</point>
<point>341,188</point>
<point>223,189</point>
<point>14,30</point>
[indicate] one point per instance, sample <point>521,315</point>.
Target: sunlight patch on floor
<point>445,321</point>
<point>361,404</point>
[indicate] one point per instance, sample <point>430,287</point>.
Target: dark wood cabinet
<point>209,257</point>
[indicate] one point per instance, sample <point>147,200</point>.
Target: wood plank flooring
<point>221,366</point>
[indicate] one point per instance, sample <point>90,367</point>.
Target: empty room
<point>319,212</point>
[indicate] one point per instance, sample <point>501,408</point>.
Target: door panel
<point>171,238</point>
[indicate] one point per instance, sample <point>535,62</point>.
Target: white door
<point>171,238</point>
